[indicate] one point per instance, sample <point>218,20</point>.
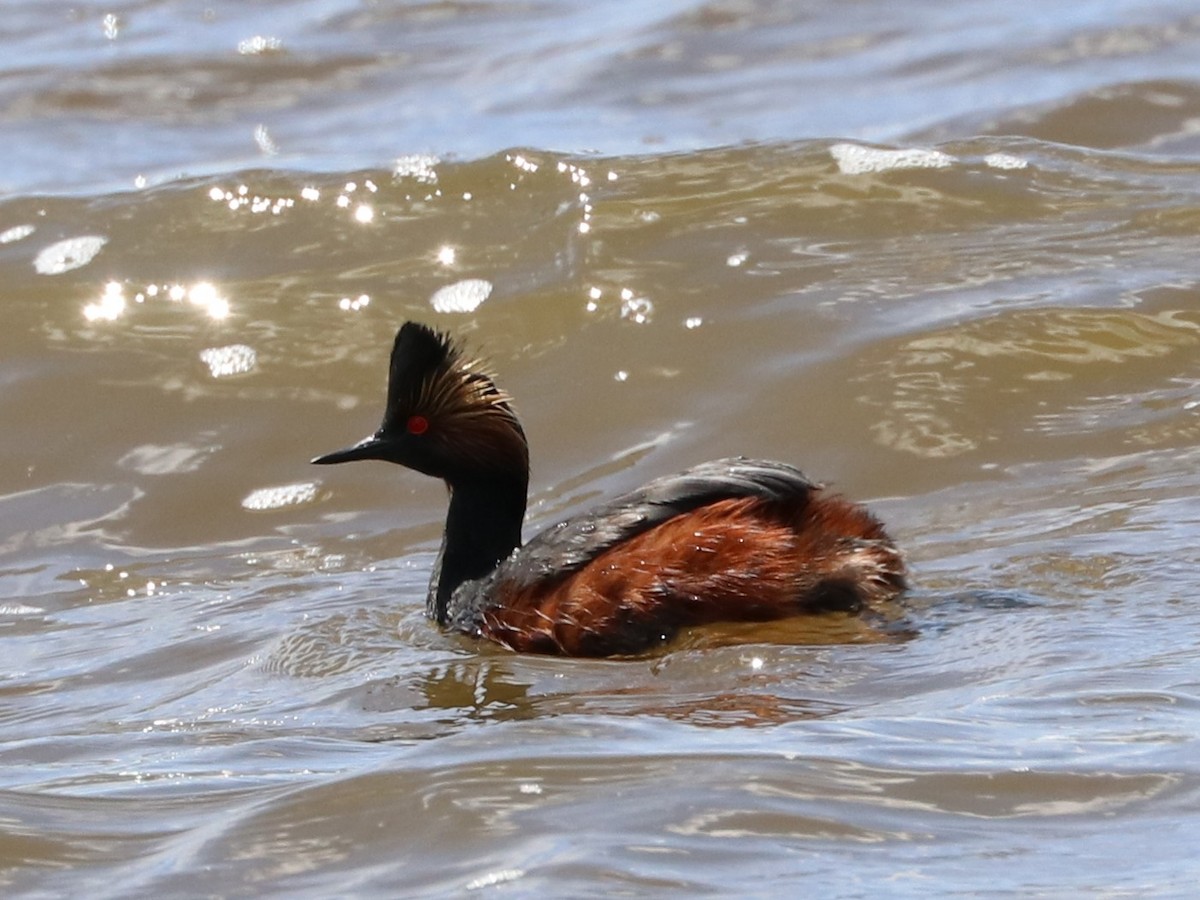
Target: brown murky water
<point>217,677</point>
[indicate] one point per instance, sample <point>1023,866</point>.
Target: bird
<point>730,540</point>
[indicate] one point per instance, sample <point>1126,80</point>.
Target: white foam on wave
<point>280,496</point>
<point>16,233</point>
<point>855,159</point>
<point>234,359</point>
<point>1005,161</point>
<point>63,256</point>
<point>462,296</point>
<point>417,166</point>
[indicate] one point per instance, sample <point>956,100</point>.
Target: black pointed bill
<point>368,448</point>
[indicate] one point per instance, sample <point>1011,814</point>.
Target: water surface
<point>940,256</point>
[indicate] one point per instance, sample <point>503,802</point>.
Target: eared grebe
<point>729,540</point>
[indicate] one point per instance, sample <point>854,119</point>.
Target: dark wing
<point>572,544</point>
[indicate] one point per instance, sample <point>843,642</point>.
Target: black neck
<point>483,526</point>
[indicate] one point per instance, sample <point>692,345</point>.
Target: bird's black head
<point>445,416</point>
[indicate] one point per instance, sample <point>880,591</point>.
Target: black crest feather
<point>420,355</point>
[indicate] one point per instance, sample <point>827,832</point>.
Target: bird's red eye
<point>417,425</point>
